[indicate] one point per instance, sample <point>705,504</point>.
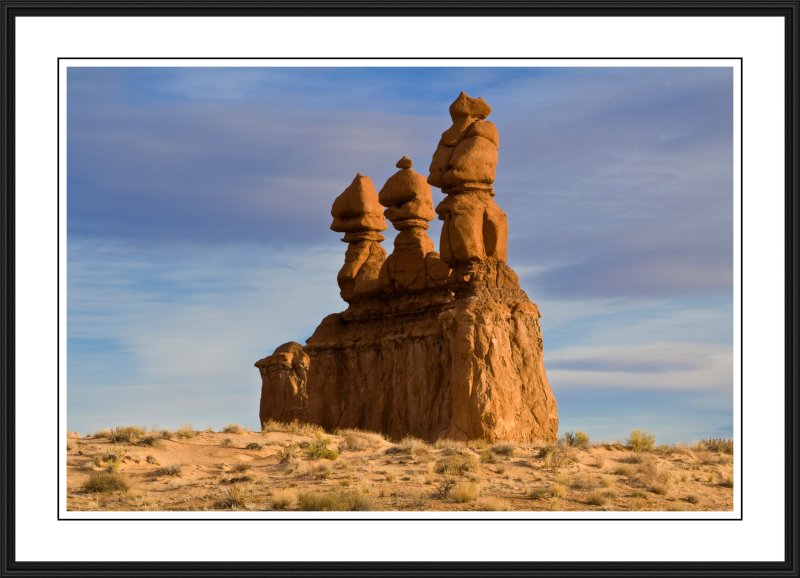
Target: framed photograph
<point>287,290</point>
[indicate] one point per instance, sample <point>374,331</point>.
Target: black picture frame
<point>10,10</point>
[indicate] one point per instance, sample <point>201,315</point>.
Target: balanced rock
<point>413,265</point>
<point>463,166</point>
<point>357,213</point>
<point>444,347</point>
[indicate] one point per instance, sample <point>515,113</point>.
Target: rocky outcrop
<point>358,214</point>
<point>430,346</point>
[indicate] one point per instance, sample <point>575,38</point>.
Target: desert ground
<point>301,467</point>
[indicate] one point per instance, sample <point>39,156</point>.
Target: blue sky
<point>198,213</point>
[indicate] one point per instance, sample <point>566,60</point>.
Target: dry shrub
<point>226,443</point>
<point>726,482</point>
<point>185,432</point>
<point>538,494</point>
<point>631,459</point>
<point>293,427</point>
<point>337,501</point>
<point>443,486</point>
<point>622,471</point>
<point>447,443</point>
<point>105,482</point>
<point>558,490</point>
<point>127,434</point>
<point>253,446</point>
<point>486,456</point>
<point>240,468</point>
<point>692,499</point>
<point>235,497</point>
<point>503,449</point>
<point>283,499</point>
<point>641,441</point>
<point>320,471</point>
<point>464,492</point>
<point>409,445</point>
<point>357,441</point>
<point>172,471</point>
<point>288,454</point>
<point>557,456</point>
<point>597,499</point>
<point>456,464</point>
<point>581,483</point>
<point>233,428</point>
<point>719,445</point>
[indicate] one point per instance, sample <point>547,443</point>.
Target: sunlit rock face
<point>432,344</point>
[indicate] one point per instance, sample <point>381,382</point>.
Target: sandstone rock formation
<point>464,167</point>
<point>357,213</point>
<point>413,265</point>
<point>428,346</point>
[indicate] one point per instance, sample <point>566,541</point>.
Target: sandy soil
<point>297,467</point>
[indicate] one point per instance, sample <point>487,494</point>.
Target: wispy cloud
<point>198,213</point>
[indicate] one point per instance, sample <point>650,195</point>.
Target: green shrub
<point>318,449</point>
<point>577,439</point>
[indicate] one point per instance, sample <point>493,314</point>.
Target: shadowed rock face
<point>429,346</point>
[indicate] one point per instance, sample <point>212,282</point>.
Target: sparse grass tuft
<point>293,427</point>
<point>172,471</point>
<point>503,449</point>
<point>356,441</point>
<point>337,501</point>
<point>240,468</point>
<point>226,443</point>
<point>726,482</point>
<point>233,428</point>
<point>494,505</point>
<point>597,499</point>
<point>641,441</point>
<point>622,471</point>
<point>105,482</point>
<point>692,499</point>
<point>234,497</point>
<point>127,435</point>
<point>320,471</point>
<point>558,490</point>
<point>409,445</point>
<point>557,456</point>
<point>720,445</point>
<point>283,499</point>
<point>464,492</point>
<point>185,432</point>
